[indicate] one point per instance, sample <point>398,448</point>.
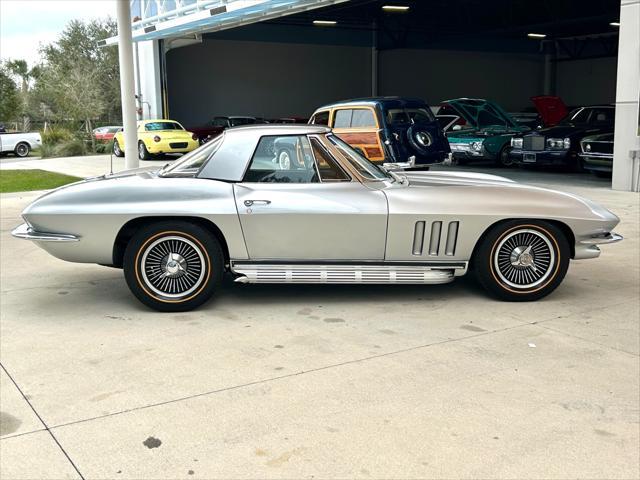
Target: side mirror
<point>455,128</point>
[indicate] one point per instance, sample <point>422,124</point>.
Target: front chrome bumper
<point>588,247</point>
<point>25,232</point>
<point>604,239</point>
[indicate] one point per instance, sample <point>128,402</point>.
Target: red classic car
<point>105,134</point>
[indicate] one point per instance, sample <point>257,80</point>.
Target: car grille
<point>178,145</point>
<point>598,147</point>
<point>533,142</point>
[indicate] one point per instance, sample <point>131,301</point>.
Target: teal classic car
<point>478,129</point>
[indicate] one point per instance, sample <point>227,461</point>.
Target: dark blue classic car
<point>560,145</point>
<point>397,130</point>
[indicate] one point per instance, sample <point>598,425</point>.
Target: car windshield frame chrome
<point>174,168</point>
<point>338,144</point>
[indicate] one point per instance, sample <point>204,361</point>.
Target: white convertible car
<point>330,217</point>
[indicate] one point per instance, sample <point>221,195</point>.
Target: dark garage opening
<point>436,50</point>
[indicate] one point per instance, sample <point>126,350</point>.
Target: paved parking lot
<point>321,381</point>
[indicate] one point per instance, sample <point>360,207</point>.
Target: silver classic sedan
<point>327,215</point>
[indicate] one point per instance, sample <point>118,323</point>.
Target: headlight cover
<point>516,142</point>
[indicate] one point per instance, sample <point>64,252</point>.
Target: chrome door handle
<point>248,203</point>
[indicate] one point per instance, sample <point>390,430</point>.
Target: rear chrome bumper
<point>25,232</point>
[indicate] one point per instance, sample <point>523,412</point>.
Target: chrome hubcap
<point>173,266</point>
<point>524,258</point>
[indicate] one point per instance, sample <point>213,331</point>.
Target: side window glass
<point>363,118</point>
<point>342,118</point>
<point>330,170</point>
<point>320,118</point>
<point>282,159</point>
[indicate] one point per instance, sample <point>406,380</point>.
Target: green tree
<point>94,70</point>
<point>9,96</point>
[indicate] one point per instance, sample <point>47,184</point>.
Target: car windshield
<point>364,167</point>
<point>190,164</point>
<point>154,126</point>
<point>236,121</point>
<point>398,116</point>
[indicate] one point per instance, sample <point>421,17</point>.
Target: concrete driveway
<point>321,381</point>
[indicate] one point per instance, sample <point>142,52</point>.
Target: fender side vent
<point>418,238</point>
<point>452,239</point>
<point>434,243</point>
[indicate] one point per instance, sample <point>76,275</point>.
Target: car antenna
<point>111,162</point>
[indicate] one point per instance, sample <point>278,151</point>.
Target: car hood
<point>551,109</point>
<point>453,178</point>
<point>492,193</point>
<point>475,112</point>
<point>569,130</point>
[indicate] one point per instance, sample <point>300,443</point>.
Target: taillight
<point>156,138</point>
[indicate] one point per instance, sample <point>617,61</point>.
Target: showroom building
<point>194,60</point>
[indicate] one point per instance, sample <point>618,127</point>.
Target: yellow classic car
<point>156,137</point>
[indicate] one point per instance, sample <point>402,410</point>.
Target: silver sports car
<point>327,215</point>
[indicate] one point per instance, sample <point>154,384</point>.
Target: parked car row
<point>407,133</point>
<point>478,129</point>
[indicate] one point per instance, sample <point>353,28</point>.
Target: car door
<point>311,211</point>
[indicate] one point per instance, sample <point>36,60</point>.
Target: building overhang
<point>215,15</point>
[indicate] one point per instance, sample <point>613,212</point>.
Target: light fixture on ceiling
<point>395,8</point>
<point>614,24</point>
<point>324,22</point>
<point>536,35</point>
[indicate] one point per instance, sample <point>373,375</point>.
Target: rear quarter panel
<point>97,210</point>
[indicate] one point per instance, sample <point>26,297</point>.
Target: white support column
<point>127,87</point>
<point>626,150</point>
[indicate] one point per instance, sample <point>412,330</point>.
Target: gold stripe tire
<point>521,260</point>
<point>173,266</point>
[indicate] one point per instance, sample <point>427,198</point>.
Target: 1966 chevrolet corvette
<point>330,217</point>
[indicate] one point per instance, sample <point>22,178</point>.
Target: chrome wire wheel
<point>116,148</point>
<point>524,258</point>
<point>173,266</point>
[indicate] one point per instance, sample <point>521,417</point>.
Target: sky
<point>25,24</point>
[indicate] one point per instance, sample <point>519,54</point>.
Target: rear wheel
<point>173,266</point>
<point>117,151</point>
<point>522,260</point>
<point>143,153</point>
<point>22,149</point>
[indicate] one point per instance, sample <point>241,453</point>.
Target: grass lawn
<point>25,180</point>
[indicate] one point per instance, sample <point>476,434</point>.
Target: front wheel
<point>173,266</point>
<point>22,149</point>
<point>522,260</point>
<point>504,157</point>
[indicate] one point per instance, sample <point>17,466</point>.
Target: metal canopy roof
<point>156,19</point>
